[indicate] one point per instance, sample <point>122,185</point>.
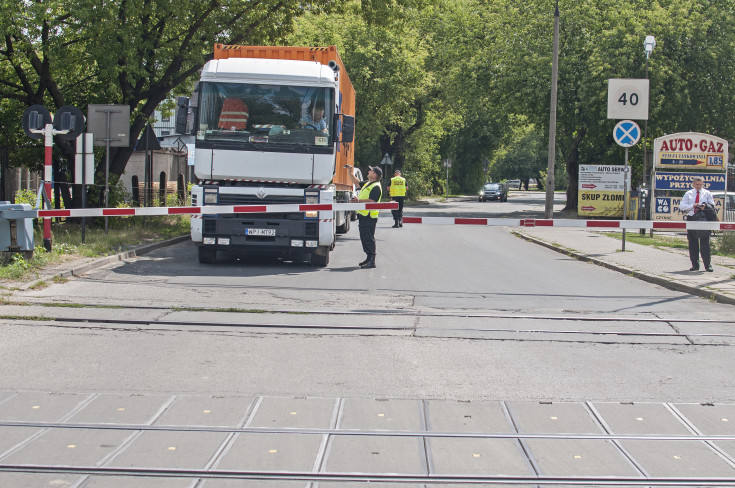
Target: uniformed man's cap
<point>377,170</point>
<point>398,171</point>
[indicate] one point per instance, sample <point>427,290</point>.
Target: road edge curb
<point>666,283</point>
<point>84,268</point>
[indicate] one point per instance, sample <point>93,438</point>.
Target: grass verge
<point>124,233</point>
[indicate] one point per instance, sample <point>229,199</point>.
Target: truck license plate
<point>260,232</point>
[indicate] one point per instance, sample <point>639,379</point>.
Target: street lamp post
<point>549,208</point>
<point>648,44</point>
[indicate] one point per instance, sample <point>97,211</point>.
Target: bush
<point>725,244</point>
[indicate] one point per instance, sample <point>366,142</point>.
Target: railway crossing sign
<point>627,133</point>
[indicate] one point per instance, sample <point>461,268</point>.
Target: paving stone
<point>12,436</point>
<point>137,482</point>
<point>206,411</point>
<point>269,452</point>
<point>662,457</point>
<point>39,406</point>
<point>454,416</point>
<point>573,457</point>
<point>391,415</point>
<point>121,409</point>
<point>70,447</point>
<point>294,413</point>
<point>362,454</point>
<point>34,480</point>
<point>170,450</point>
<point>469,456</point>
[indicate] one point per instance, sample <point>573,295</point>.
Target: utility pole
<point>552,119</point>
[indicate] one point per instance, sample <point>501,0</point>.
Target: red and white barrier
<point>590,224</point>
<point>205,210</point>
<point>330,207</point>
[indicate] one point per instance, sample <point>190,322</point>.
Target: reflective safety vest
<point>365,195</point>
<point>234,115</point>
<point>398,186</point>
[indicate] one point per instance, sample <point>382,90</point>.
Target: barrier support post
<point>47,179</point>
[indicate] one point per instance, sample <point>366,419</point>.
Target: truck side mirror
<point>182,111</point>
<point>348,128</point>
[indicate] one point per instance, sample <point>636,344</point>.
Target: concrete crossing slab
<point>468,456</point>
<point>33,480</point>
<point>662,457</point>
<point>454,416</point>
<point>552,418</point>
<point>709,419</point>
<point>12,436</point>
<point>272,452</point>
<point>206,411</point>
<point>40,407</point>
<point>363,454</point>
<point>574,457</point>
<point>121,409</point>
<point>70,447</point>
<point>294,413</point>
<point>381,414</point>
<point>255,484</point>
<point>169,450</point>
<point>134,482</point>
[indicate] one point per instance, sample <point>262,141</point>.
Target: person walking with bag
<point>693,203</point>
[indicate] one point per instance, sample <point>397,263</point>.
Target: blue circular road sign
<point>627,133</point>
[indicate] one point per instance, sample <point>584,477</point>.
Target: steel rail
<point>410,313</point>
<point>370,433</point>
<point>366,478</point>
<point>424,330</point>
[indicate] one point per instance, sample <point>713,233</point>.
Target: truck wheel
<point>320,260</point>
<point>353,216</point>
<point>207,255</point>
<point>344,228</point>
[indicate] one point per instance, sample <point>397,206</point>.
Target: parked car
<point>513,184</point>
<point>493,191</point>
<point>729,204</point>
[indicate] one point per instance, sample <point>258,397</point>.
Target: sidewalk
<point>667,267</point>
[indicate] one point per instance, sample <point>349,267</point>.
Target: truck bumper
<point>294,235</point>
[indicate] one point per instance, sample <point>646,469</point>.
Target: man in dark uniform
<point>370,191</point>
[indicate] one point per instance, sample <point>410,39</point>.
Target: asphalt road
<point>467,313</point>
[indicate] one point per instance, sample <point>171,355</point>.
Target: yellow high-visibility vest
<point>365,195</point>
<point>398,186</point>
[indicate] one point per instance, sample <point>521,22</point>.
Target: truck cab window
<point>295,118</point>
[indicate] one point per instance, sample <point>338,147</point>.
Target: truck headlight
<point>311,214</point>
<point>312,244</point>
<point>223,241</point>
<point>311,197</point>
<point>297,243</point>
<point>208,240</point>
<point>210,197</point>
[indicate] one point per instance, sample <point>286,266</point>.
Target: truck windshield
<point>258,116</point>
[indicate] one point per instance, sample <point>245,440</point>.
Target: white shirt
<point>687,202</point>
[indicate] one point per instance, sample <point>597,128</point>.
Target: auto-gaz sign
<point>690,150</point>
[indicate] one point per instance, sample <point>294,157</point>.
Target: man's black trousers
<point>367,224</point>
<point>398,214</point>
<point>697,244</point>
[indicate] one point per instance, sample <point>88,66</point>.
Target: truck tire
<point>321,260</point>
<point>344,228</point>
<point>207,255</point>
<point>353,216</point>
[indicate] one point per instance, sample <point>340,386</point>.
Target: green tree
<point>132,52</point>
<point>522,153</point>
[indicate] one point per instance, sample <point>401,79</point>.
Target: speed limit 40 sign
<point>627,99</point>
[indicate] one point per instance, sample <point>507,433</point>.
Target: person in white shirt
<point>693,202</point>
